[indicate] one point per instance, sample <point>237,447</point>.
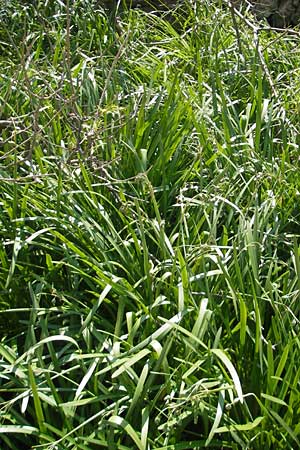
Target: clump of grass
<point>149,230</point>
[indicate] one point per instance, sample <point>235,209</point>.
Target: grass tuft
<point>149,277</point>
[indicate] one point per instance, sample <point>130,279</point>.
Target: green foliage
<point>150,255</point>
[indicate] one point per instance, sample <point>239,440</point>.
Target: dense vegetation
<point>150,224</point>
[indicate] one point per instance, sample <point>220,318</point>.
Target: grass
<point>150,259</point>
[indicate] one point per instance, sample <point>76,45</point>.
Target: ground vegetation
<point>149,229</point>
